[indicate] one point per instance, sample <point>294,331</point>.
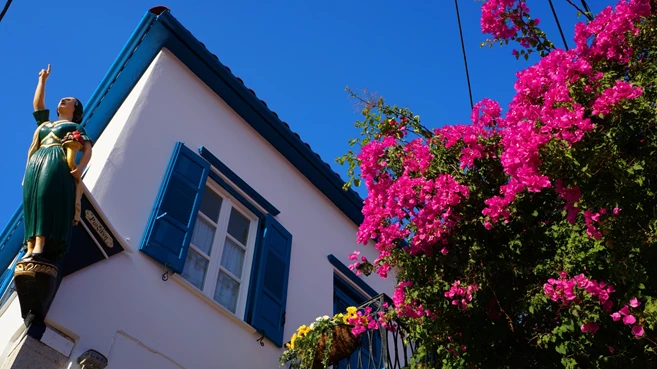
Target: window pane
<point>233,258</point>
<point>195,269</point>
<point>203,235</point>
<point>211,204</point>
<point>238,226</point>
<point>226,291</point>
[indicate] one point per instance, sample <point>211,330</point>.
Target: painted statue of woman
<point>51,186</point>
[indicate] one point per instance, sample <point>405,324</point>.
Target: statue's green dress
<point>48,186</point>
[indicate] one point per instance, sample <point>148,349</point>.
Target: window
<point>344,295</point>
<point>203,228</point>
<point>221,249</point>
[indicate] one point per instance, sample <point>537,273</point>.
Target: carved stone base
<point>36,282</point>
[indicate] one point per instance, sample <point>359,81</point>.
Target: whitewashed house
<point>210,230</point>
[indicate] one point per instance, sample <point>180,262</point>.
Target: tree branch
<point>537,37</point>
<point>580,10</point>
<point>508,318</point>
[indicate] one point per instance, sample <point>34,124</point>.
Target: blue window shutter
<point>172,222</point>
<point>270,292</point>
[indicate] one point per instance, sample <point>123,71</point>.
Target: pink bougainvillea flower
<point>460,294</point>
<point>572,195</point>
<point>611,349</point>
<point>357,330</point>
<point>444,251</point>
<point>625,310</point>
<point>354,256</point>
<point>637,330</point>
<point>616,316</point>
<point>614,95</point>
<point>629,319</point>
<point>354,267</point>
<point>589,327</point>
<point>564,289</point>
<point>634,302</point>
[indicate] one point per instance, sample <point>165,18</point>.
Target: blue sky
<point>297,55</point>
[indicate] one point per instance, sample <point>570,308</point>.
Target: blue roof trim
<point>239,182</point>
<point>8,252</point>
<point>8,276</point>
<point>254,111</point>
<point>133,60</point>
<point>351,275</point>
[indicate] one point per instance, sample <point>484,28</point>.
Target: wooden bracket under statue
<point>36,283</point>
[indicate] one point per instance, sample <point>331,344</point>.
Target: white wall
<point>124,296</point>
<point>11,325</point>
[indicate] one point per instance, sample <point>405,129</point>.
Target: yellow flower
<point>290,346</point>
<point>303,330</point>
<point>351,313</point>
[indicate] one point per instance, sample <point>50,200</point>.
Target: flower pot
<point>72,148</point>
<point>344,344</point>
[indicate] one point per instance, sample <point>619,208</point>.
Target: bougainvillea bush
<point>526,238</point>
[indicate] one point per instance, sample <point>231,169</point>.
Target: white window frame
<point>217,248</point>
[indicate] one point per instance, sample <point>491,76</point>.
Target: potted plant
<point>324,342</point>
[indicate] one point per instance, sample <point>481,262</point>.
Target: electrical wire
<point>465,58</point>
<point>554,12</point>
<point>4,10</point>
<point>586,6</point>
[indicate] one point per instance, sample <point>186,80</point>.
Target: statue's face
<point>66,106</point>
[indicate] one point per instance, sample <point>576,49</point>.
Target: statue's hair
<point>77,112</point>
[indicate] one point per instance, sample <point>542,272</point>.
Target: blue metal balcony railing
<point>381,348</point>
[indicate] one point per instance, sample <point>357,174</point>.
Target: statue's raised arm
<point>40,93</point>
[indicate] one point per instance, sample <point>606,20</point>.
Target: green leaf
<point>561,349</point>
